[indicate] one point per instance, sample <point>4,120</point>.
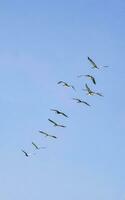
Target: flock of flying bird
<point>65,84</point>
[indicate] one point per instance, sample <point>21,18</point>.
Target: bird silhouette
<point>81,101</point>
<point>48,135</point>
<point>55,124</point>
<point>66,84</point>
<point>90,92</point>
<point>59,112</point>
<point>94,64</point>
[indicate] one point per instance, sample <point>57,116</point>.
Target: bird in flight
<point>48,135</point>
<point>59,112</point>
<point>94,64</point>
<point>81,101</point>
<point>25,153</point>
<point>55,124</point>
<point>90,92</point>
<point>66,84</point>
<point>37,148</point>
<point>89,76</point>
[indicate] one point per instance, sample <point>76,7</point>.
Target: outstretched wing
<point>53,136</point>
<point>88,89</point>
<point>86,103</point>
<point>35,145</point>
<point>61,126</point>
<point>63,114</point>
<point>93,80</point>
<point>54,110</point>
<point>26,154</point>
<point>43,133</point>
<point>79,76</point>
<point>92,62</point>
<point>60,82</point>
<point>99,94</point>
<point>53,122</point>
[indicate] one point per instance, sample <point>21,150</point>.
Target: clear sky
<point>42,42</point>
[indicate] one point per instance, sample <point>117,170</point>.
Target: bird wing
<point>62,126</point>
<point>88,89</point>
<point>54,110</point>
<point>43,133</point>
<point>26,154</point>
<point>99,94</point>
<point>104,66</point>
<point>93,79</point>
<point>80,76</point>
<point>72,87</point>
<point>86,103</point>
<point>92,62</point>
<point>63,114</point>
<point>76,99</point>
<point>60,82</point>
<point>53,136</point>
<point>35,145</point>
<point>53,122</point>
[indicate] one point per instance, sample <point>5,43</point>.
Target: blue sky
<point>42,42</point>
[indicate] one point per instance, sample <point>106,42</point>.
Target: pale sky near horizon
<point>42,42</point>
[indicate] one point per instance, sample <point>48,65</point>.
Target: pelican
<point>94,64</point>
<point>26,154</point>
<point>48,135</point>
<point>55,124</point>
<point>66,84</point>
<point>81,101</point>
<point>59,112</point>
<point>90,92</point>
<point>37,148</point>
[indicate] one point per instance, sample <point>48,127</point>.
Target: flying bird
<point>38,148</point>
<point>90,92</point>
<point>55,124</point>
<point>66,84</point>
<point>89,76</point>
<point>25,153</point>
<point>48,135</point>
<point>94,64</point>
<point>59,112</point>
<point>81,101</point>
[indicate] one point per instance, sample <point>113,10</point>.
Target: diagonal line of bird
<point>88,91</point>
